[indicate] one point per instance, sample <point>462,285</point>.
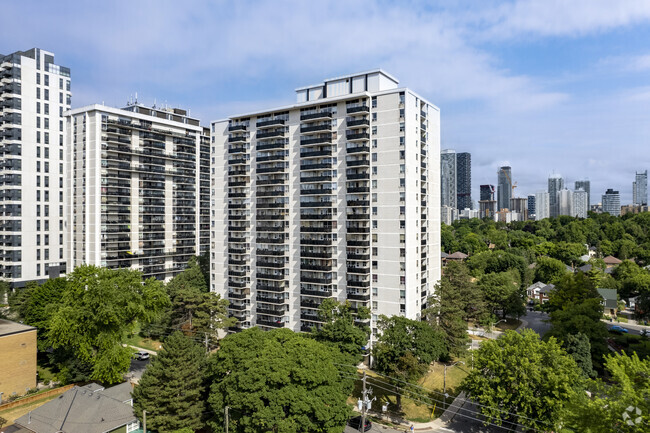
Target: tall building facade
<point>34,93</point>
<point>640,188</point>
<point>486,192</point>
<point>542,205</point>
<point>555,184</point>
<point>520,206</point>
<point>612,202</point>
<point>580,204</point>
<point>504,187</point>
<point>464,180</point>
<point>531,206</point>
<point>565,202</point>
<point>584,185</point>
<point>333,197</point>
<point>138,188</point>
<point>448,173</point>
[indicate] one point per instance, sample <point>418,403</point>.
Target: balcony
<point>357,163</point>
<point>319,293</point>
<point>358,109</point>
<point>270,134</point>
<point>353,203</point>
<point>357,149</point>
<point>270,299</point>
<point>237,139</point>
<point>316,116</point>
<point>359,297</point>
<point>269,145</point>
<point>262,287</point>
<point>233,128</point>
<point>358,123</point>
<point>358,136</point>
<point>314,128</point>
<point>270,311</point>
<point>269,123</point>
<point>316,140</point>
<point>357,283</point>
<point>273,324</point>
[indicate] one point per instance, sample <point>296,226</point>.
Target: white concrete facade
<point>334,197</point>
<point>138,189</point>
<point>34,93</point>
<point>580,204</point>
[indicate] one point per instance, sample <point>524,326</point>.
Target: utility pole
<point>444,381</point>
<point>144,421</point>
<point>226,418</point>
<point>206,344</point>
<point>363,404</point>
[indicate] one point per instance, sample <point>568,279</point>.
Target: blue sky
<point>546,86</point>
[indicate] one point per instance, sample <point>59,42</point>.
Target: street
<point>537,321</point>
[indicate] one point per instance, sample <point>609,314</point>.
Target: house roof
<point>7,327</point>
<point>81,410</point>
<point>609,296</point>
<point>443,255</point>
<point>585,258</point>
<point>457,255</point>
<point>585,268</point>
<point>537,285</point>
<point>569,268</point>
<point>611,260</point>
<point>547,289</point>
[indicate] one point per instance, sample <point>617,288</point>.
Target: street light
<point>444,380</point>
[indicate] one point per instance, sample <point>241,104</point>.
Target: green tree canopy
<point>278,381</point>
<point>502,293</point>
<point>173,387</point>
<point>97,309</point>
<point>341,329</point>
<point>549,270</point>
<point>520,379</point>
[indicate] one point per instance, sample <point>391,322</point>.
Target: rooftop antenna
<point>136,97</point>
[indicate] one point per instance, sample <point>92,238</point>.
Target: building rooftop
<point>7,327</point>
<point>611,260</point>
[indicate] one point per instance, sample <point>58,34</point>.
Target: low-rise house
<point>609,301</point>
<point>86,409</point>
<point>539,292</point>
<point>545,293</point>
<point>611,261</point>
<point>457,256</point>
<point>17,359</point>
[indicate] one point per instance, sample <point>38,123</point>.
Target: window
<point>374,210</point>
<point>374,224</point>
<point>46,123</point>
<point>38,108</point>
<point>401,127</point>
<point>375,266</point>
<point>374,117</point>
<point>402,210</point>
<point>402,182</point>
<point>374,102</point>
<point>401,113</point>
<point>38,78</point>
<point>46,94</point>
<point>402,238</point>
<point>46,109</point>
<point>402,196</point>
<point>402,154</point>
<point>374,183</point>
<point>374,197</point>
<point>374,143</point>
<point>38,93</point>
<point>374,130</point>
<point>374,169</point>
<point>402,168</point>
<point>402,279</point>
<point>374,157</point>
<point>402,224</point>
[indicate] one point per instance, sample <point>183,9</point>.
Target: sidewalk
<point>141,349</point>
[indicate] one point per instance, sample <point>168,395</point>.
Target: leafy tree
<point>406,347</point>
<point>549,270</point>
<point>278,381</point>
<point>603,409</point>
<point>502,294</point>
<point>172,389</point>
<point>455,300</point>
<point>97,309</point>
<point>520,379</point>
<point>579,348</point>
<point>341,329</point>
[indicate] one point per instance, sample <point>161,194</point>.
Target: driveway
<point>137,368</point>
<point>537,321</point>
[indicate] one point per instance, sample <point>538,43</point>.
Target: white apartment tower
<point>542,205</point>
<point>448,192</point>
<point>34,93</point>
<point>138,188</point>
<point>336,196</point>
<point>640,188</point>
<point>565,202</point>
<point>580,203</point>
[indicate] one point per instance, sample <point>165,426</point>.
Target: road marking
<point>446,429</point>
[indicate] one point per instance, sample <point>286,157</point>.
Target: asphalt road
<point>633,329</point>
<point>137,368</point>
<point>537,321</point>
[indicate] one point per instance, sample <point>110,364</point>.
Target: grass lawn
<point>146,343</point>
<point>509,324</point>
<point>14,413</point>
<point>413,410</point>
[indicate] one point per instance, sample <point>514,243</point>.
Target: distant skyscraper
<point>531,205</point>
<point>584,185</point>
<point>555,184</point>
<point>640,188</point>
<point>580,206</point>
<point>464,180</point>
<point>448,178</point>
<point>504,187</point>
<point>565,202</point>
<point>541,205</point>
<point>520,206</point>
<point>487,192</point>
<point>612,202</point>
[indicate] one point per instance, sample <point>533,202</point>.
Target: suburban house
<point>610,301</point>
<point>86,409</point>
<point>457,256</point>
<point>17,359</point>
<point>611,261</point>
<point>539,292</point>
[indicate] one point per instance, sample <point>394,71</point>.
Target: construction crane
<point>512,185</point>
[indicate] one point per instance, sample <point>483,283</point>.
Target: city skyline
<point>515,85</point>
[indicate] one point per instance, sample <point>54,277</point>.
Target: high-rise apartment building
<point>555,184</point>
<point>335,196</point>
<point>640,188</point>
<point>542,205</point>
<point>504,187</point>
<point>565,202</point>
<point>34,93</point>
<point>531,206</point>
<point>580,207</point>
<point>520,206</point>
<point>486,192</point>
<point>448,173</point>
<point>464,180</point>
<point>138,188</point>
<point>584,185</point>
<point>612,202</point>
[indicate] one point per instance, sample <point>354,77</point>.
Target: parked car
<point>356,422</point>
<point>618,329</point>
<point>141,356</point>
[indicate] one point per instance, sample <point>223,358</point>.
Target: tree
<point>173,387</point>
<point>40,303</point>
<point>98,307</point>
<point>342,330</point>
<point>455,300</point>
<point>278,381</point>
<point>520,379</point>
<point>502,293</point>
<point>620,405</point>
<point>549,270</point>
<point>579,348</point>
<point>406,347</point>
<point>193,309</point>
